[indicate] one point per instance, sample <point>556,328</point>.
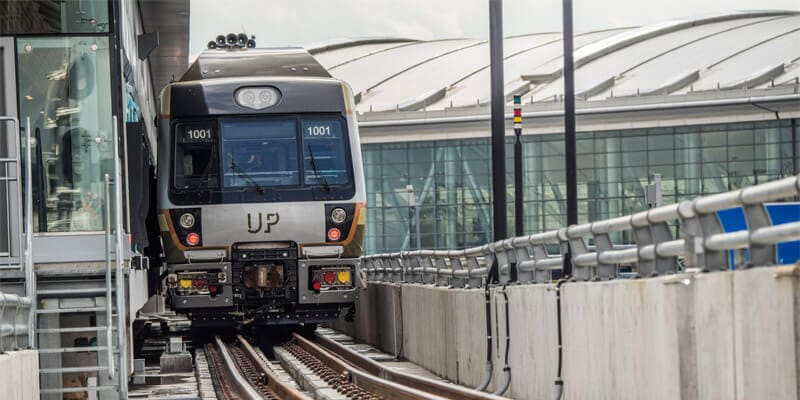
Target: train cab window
<point>259,154</point>
<point>196,157</point>
<point>324,156</point>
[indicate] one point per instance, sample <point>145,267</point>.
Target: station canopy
<point>742,50</point>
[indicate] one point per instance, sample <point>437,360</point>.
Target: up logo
<point>267,220</point>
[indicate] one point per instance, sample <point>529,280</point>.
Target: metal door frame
<point>8,108</point>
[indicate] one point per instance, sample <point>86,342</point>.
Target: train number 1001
<point>322,130</point>
<point>198,134</point>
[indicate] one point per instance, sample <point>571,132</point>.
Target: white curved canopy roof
<point>748,49</point>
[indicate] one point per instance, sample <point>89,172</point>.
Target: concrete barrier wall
<point>724,335</point>
<point>19,375</point>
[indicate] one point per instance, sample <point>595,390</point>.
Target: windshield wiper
<point>238,171</point>
<point>325,184</point>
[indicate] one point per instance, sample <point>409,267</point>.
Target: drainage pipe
<point>506,368</point>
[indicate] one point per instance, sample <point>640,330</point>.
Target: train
<point>261,195</point>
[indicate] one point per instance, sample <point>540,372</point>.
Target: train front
<point>261,190</point>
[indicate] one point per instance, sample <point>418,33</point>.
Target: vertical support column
<point>652,233</point>
<point>457,265</point>
<point>569,126</point>
<point>577,246</point>
<point>472,264</point>
<point>522,254</point>
<point>498,119</point>
<point>757,217</point>
<point>696,228</point>
<point>30,270</point>
<point>602,242</point>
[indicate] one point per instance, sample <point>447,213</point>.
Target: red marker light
<point>316,285</point>
<point>329,277</point>
<point>334,234</point>
<point>213,289</point>
<point>199,283</point>
<point>193,239</point>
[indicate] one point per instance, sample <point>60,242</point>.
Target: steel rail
<point>281,388</point>
<point>362,378</point>
<point>373,367</point>
<point>239,383</point>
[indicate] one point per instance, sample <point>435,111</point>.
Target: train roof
<point>278,62</point>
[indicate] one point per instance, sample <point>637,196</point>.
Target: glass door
<point>65,89</point>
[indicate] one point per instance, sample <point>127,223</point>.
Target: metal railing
<point>14,322</point>
<point>109,300</point>
<point>11,250</point>
<point>18,253</point>
<point>115,247</point>
<point>703,245</point>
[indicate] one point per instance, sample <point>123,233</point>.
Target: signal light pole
<point>498,119</point>
<point>518,192</point>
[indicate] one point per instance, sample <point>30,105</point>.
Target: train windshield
<point>288,158</point>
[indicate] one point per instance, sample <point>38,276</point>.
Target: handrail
<point>109,314</point>
<point>704,244</point>
<point>30,273</point>
<point>122,313</point>
<point>14,320</point>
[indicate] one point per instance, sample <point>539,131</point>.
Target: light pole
<point>569,126</point>
<point>498,119</point>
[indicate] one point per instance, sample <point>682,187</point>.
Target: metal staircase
<point>83,315</point>
<point>78,314</point>
<point>78,336</point>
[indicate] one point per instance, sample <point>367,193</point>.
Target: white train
<point>261,191</point>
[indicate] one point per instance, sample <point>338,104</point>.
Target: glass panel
<point>259,153</point>
<point>324,156</point>
<point>64,86</point>
<point>196,156</point>
<point>64,16</point>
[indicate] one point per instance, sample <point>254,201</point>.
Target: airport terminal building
<point>710,103</point>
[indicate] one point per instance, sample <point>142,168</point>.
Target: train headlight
<point>187,220</point>
<point>257,98</point>
<point>338,215</point>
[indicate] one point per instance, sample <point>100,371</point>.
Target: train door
<point>10,185</point>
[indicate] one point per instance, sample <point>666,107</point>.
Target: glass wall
<point>64,87</point>
<point>53,16</point>
<point>451,179</point>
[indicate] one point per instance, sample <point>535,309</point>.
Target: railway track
<point>240,373</point>
<point>326,368</point>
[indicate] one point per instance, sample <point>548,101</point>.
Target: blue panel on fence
<point>788,252</point>
<point>733,220</point>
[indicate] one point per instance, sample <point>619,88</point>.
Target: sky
<point>278,23</point>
